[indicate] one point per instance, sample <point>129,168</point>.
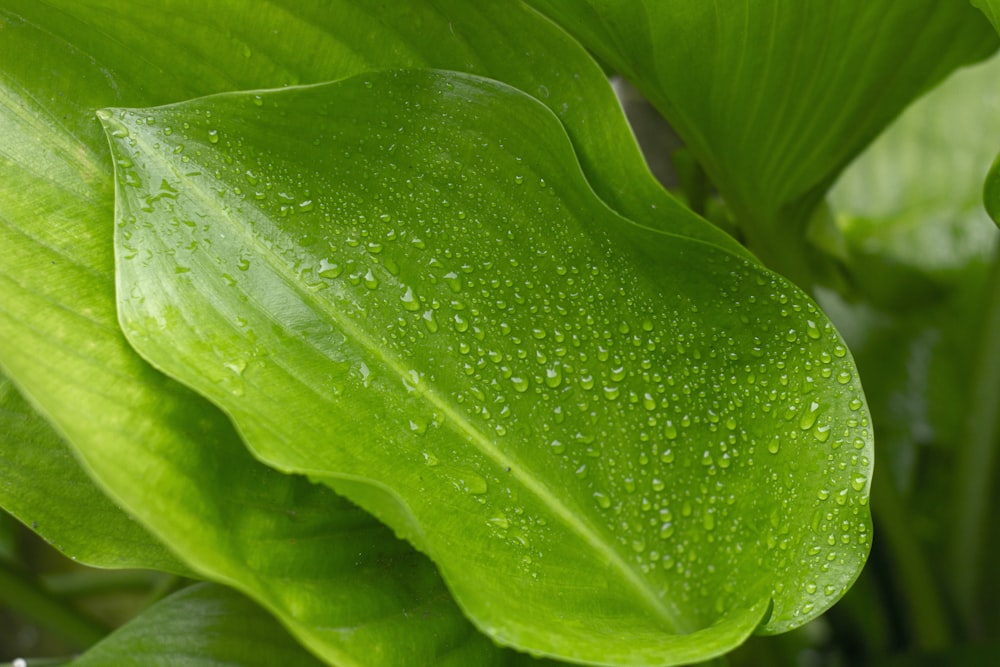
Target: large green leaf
<point>775,97</point>
<point>156,448</point>
<point>42,485</point>
<point>608,438</point>
<point>205,625</point>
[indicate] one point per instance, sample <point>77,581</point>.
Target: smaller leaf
<point>206,625</point>
<point>43,485</point>
<point>991,191</point>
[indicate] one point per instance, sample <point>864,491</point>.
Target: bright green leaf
<point>156,448</point>
<point>205,625</point>
<point>775,98</point>
<point>605,436</point>
<point>42,484</point>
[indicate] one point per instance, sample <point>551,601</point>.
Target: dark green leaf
<point>205,625</point>
<point>775,98</point>
<point>401,284</point>
<point>992,10</point>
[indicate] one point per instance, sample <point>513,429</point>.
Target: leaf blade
<point>39,467</point>
<point>331,312</point>
<point>774,99</point>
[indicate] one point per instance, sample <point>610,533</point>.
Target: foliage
<point>375,318</point>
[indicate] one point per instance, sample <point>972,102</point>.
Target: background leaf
<point>204,625</point>
<point>356,272</point>
<point>775,98</point>
<point>42,484</point>
<point>911,205</point>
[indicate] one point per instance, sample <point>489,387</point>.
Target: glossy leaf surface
<point>402,285</point>
<point>159,450</point>
<point>205,625</point>
<point>42,484</point>
<point>775,98</point>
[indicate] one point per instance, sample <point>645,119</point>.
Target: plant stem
<point>977,457</point>
<point>925,606</point>
<point>28,600</point>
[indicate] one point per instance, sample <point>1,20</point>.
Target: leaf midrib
<point>573,520</point>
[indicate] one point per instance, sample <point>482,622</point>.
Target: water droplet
<point>808,418</point>
<point>603,500</point>
<point>453,281</point>
<point>553,377</point>
<point>500,522</point>
<point>470,482</point>
<point>328,269</point>
<point>409,299</point>
<point>213,136</point>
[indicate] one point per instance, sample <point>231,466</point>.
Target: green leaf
<point>42,485</point>
<point>606,437</point>
<point>991,191</point>
<point>205,625</point>
<point>992,10</point>
<point>911,205</point>
<point>157,449</point>
<point>775,98</point>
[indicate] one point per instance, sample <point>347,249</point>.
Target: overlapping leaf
<point>205,625</point>
<point>775,98</point>
<point>172,461</point>
<point>42,484</point>
<point>606,437</point>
